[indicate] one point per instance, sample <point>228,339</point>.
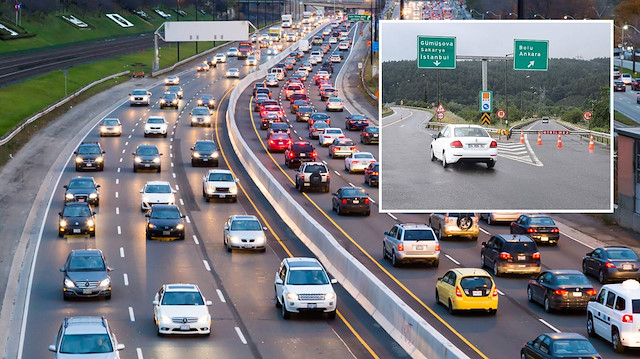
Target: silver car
<point>244,232</point>
<point>411,242</point>
<point>140,97</point>
<point>85,337</point>
<point>496,217</point>
<point>233,72</point>
<point>455,225</point>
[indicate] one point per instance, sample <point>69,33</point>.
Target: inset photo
<point>510,115</point>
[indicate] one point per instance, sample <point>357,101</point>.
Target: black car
<point>298,152</point>
<point>559,345</point>
<point>165,220</point>
<point>619,86</point>
<point>356,122</point>
<point>506,253</point>
<point>371,174</point>
<point>304,113</point>
<point>169,100</point>
<point>561,289</point>
<point>263,90</point>
<point>635,84</point>
<point>369,135</point>
<point>147,157</point>
<point>89,156</point>
<point>86,275</point>
<point>538,227</point>
<point>295,105</point>
<point>76,218</point>
<point>257,102</point>
<point>206,100</point>
<point>612,263</point>
<point>82,189</point>
<point>204,152</point>
<point>319,116</point>
<point>351,200</point>
<point>327,66</point>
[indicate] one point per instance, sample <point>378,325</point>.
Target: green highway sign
<point>356,17</point>
<point>531,55</point>
<point>436,52</point>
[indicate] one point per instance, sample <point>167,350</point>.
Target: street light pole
<point>196,20</point>
<point>178,17</point>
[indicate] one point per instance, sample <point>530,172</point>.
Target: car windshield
<point>332,131</point>
<point>155,120</point>
<point>147,151</point>
<point>110,123</point>
<point>353,192</point>
<point>205,146</point>
<point>307,277</point>
<point>157,188</point>
<point>572,347</point>
<point>89,149</point>
<point>313,168</point>
<point>139,93</point>
<point>165,213</point>
<point>571,279</point>
<point>469,132</point>
<point>221,177</point>
<point>86,263</point>
<point>541,221</point>
<point>362,155</point>
<point>372,129</point>
<point>320,116</point>
<point>206,97</point>
<point>182,298</point>
<point>320,125</point>
<point>345,143</point>
<point>245,225</point>
<point>476,281</point>
<point>201,112</point>
<point>233,49</point>
<point>304,109</point>
<point>302,148</point>
<point>335,99</point>
<point>81,183</point>
<point>622,253</point>
<point>76,211</point>
<point>418,235</point>
<point>175,89</point>
<point>520,247</point>
<point>169,96</point>
<point>86,344</point>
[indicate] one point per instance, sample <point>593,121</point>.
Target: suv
<point>611,315</point>
<point>508,253</point>
<point>76,218</point>
<point>455,224</point>
<point>201,116</point>
<point>220,184</point>
<point>156,125</point>
<point>411,242</point>
<point>204,152</point>
<point>140,97</point>
<point>86,274</point>
<point>302,285</point>
<point>298,153</point>
<point>244,232</point>
<point>89,155</point>
<point>146,157</point>
<point>82,189</point>
<point>313,175</point>
<point>88,337</point>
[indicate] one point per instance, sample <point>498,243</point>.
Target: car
<point>165,221</point>
<point>290,37</point>
<point>262,90</point>
<point>561,289</point>
<point>172,80</point>
<point>200,116</point>
<point>268,118</point>
<point>140,97</point>
<point>500,217</point>
<point>326,31</point>
<point>257,101</point>
<point>317,128</point>
<point>343,46</point>
<point>342,147</point>
<point>559,345</point>
<point>146,157</point>
<point>206,100</point>
<point>351,200</point>
<point>272,80</point>
<point>89,156</point>
<point>463,143</point>
<point>204,152</point>
<point>371,174</point>
<point>406,242</point>
<point>612,263</point>
<point>356,122</point>
<point>304,113</point>
<point>468,289</point>
<point>306,65</point>
<point>220,184</point>
<point>211,61</point>
<point>299,96</point>
<point>244,232</point>
<point>539,227</point>
<point>156,126</point>
<point>169,100</point>
<point>254,38</point>
<point>221,58</point>
<point>328,67</point>
<point>326,137</point>
<point>545,119</point>
<point>635,84</point>
<point>315,59</point>
<point>295,105</point>
<point>302,285</point>
<point>317,40</point>
<point>319,116</point>
<point>279,72</point>
<point>510,253</point>
<point>455,225</point>
<point>370,134</point>
<point>277,127</point>
<point>260,86</point>
<point>334,104</point>
<point>299,152</point>
<point>176,90</point>
<point>279,142</point>
<point>619,86</point>
<point>181,308</point>
<point>202,67</point>
<point>626,79</point>
<point>85,337</point>
<point>82,189</point>
<point>313,175</point>
<point>358,161</point>
<point>335,58</point>
<point>76,218</point>
<point>86,275</point>
<point>252,60</point>
<point>270,109</point>
<point>320,76</point>
<point>333,40</point>
<point>156,192</point>
<point>110,127</point>
<point>293,89</point>
<point>328,92</point>
<point>232,52</point>
<point>233,72</point>
<point>616,72</point>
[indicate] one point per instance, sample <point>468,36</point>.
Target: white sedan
<point>181,309</point>
<point>232,52</point>
<point>156,192</point>
<point>333,40</point>
<point>358,161</point>
<point>271,80</point>
<point>252,61</point>
<point>220,58</point>
<point>468,143</point>
<point>343,46</point>
<point>327,136</point>
<point>233,72</point>
<point>334,104</point>
<point>156,125</point>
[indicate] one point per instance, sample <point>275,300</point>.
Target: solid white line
<point>117,180</point>
<point>126,278</point>
<point>187,218</point>
<point>549,325</point>
<point>139,352</point>
<point>116,194</point>
<point>181,202</point>
<point>117,210</point>
<point>131,315</point>
<point>451,259</point>
<point>242,339</point>
<point>392,216</point>
<point>206,265</point>
<point>221,296</point>
<point>177,188</point>
<point>122,252</point>
<point>484,231</point>
<point>119,230</point>
<point>579,241</point>
<point>195,239</point>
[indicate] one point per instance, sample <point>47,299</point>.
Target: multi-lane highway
<point>627,103</point>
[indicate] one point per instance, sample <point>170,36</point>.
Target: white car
<point>140,97</point>
<point>291,37</point>
<point>302,285</point>
<point>496,217</point>
<point>220,184</point>
<point>611,315</point>
<point>232,52</point>
<point>626,78</point>
<point>110,127</point>
<point>343,46</point>
<point>334,104</point>
<point>252,61</point>
<point>272,51</point>
<point>233,72</point>
<point>155,125</point>
<point>326,31</point>
<point>244,232</point>
<point>220,58</point>
<point>181,309</point>
<point>333,40</point>
<point>271,80</point>
<point>172,80</point>
<point>156,192</point>
<point>335,58</point>
<point>326,137</point>
<point>358,161</point>
<point>464,143</point>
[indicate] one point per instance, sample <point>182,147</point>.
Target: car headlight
<point>79,159</point>
<point>329,296</point>
<point>162,100</point>
<point>63,223</point>
<point>93,195</point>
<point>215,155</point>
<point>199,102</point>
<point>103,129</point>
<point>165,319</point>
<point>207,119</point>
<point>138,159</point>
<point>69,196</point>
<point>204,320</point>
<point>144,198</point>
<point>156,160</point>
<point>105,283</point>
<point>234,238</point>
<point>90,223</point>
<point>260,239</point>
<point>211,102</point>
<point>180,226</point>
<point>292,296</point>
<point>132,98</point>
<point>68,283</point>
<point>196,154</point>
<point>174,101</point>
<point>193,119</point>
<point>99,159</point>
<point>151,225</point>
<point>233,189</point>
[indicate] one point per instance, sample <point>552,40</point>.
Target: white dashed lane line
<point>195,239</point>
<point>117,210</point>
<point>451,259</point>
<point>241,336</point>
<point>119,230</point>
<point>484,231</point>
<point>338,173</point>
<point>122,252</point>
<point>174,175</point>
<point>120,159</point>
<point>187,219</point>
<point>181,202</point>
<point>549,325</point>
<point>206,265</point>
<point>220,296</point>
<point>139,352</point>
<point>117,180</point>
<point>392,216</point>
<point>125,277</point>
<point>118,169</point>
<point>132,317</point>
<point>116,194</point>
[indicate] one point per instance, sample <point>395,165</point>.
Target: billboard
<point>206,31</point>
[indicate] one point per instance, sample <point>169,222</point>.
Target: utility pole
<point>521,14</point>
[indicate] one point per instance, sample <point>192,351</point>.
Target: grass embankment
<point>371,81</point>
<point>387,111</point>
<point>618,116</point>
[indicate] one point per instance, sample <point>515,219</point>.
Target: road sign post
<point>440,112</point>
<point>531,55</point>
<point>486,100</point>
<point>436,52</point>
<point>358,17</point>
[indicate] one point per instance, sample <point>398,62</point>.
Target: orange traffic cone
<point>559,141</point>
<point>591,145</point>
<point>539,139</point>
<point>521,137</point>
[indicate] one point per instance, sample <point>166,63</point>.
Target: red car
<point>278,142</point>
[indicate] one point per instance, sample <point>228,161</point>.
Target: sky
<point>567,39</point>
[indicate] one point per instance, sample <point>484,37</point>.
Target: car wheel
<point>108,297</point>
<point>493,311</point>
<point>384,251</point>
<point>450,307</point>
<point>496,271</point>
<point>489,220</point>
<point>60,234</point>
<point>331,315</point>
<point>159,169</point>
<point>435,263</point>
<point>547,304</point>
<point>491,164</point>
<point>444,160</point>
<point>338,211</point>
<point>285,313</point>
<point>590,331</point>
<point>148,236</point>
<point>92,234</point>
<point>275,298</point>
<point>135,169</point>
<point>601,277</point>
<point>482,264</point>
<point>432,155</point>
<point>530,294</point>
<point>158,331</point>
<point>615,341</point>
<point>394,261</point>
<point>326,189</point>
<point>437,297</point>
<point>227,247</point>
<point>584,268</point>
<point>145,135</point>
<point>439,233</point>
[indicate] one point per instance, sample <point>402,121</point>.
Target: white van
<point>279,73</point>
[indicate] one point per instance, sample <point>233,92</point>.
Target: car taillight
<point>591,292</point>
<point>328,176</point>
<point>400,247</point>
<point>560,292</point>
<point>302,176</point>
<point>290,154</point>
<point>438,247</point>
<point>458,292</point>
<point>493,144</point>
<point>354,148</point>
<point>350,121</point>
<point>610,265</point>
<point>366,134</point>
<point>366,201</point>
<point>555,230</point>
<point>446,218</point>
<point>271,142</point>
<point>344,201</point>
<point>505,255</point>
<point>495,292</point>
<point>532,230</point>
<point>314,154</point>
<point>536,255</point>
<point>627,318</point>
<point>456,144</point>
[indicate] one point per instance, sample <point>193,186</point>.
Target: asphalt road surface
<point>526,176</point>
<point>627,104</point>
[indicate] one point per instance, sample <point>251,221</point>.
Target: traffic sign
<point>531,55</point>
<point>587,115</point>
<point>486,99</point>
<point>440,115</point>
<point>375,46</point>
<point>501,114</point>
<point>436,52</point>
<point>440,109</point>
<point>358,17</point>
<point>486,119</point>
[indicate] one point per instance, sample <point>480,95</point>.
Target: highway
<point>626,103</point>
<point>523,171</point>
<point>245,322</point>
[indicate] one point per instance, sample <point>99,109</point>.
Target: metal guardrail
<point>8,136</point>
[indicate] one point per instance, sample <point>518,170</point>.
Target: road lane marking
<point>117,210</point>
<point>242,338</point>
<point>181,202</point>
<point>484,231</point>
<point>195,239</point>
<point>172,163</point>
<point>451,259</point>
<point>116,194</point>
<point>351,184</point>
<point>549,325</point>
<point>120,159</point>
<point>139,352</point>
<point>123,150</point>
<point>174,175</point>
<point>206,265</point>
<point>122,252</point>
<point>177,188</point>
<point>220,296</point>
<point>187,218</point>
<point>119,230</point>
<point>126,278</point>
<point>579,241</point>
<point>499,291</point>
<point>117,180</point>
<point>129,136</point>
<point>126,143</point>
<point>118,169</point>
<point>392,216</point>
<point>338,173</point>
<point>132,317</point>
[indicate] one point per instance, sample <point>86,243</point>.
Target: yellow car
<point>467,289</point>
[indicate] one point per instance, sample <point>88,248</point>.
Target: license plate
<point>312,305</point>
<point>205,159</point>
<point>166,233</point>
<point>418,248</point>
<point>307,184</point>
<point>474,145</point>
<point>522,265</point>
<point>80,199</point>
<point>87,291</point>
<point>223,195</point>
<point>544,238</point>
<point>303,155</point>
<point>626,266</point>
<point>577,294</point>
<point>375,135</point>
<point>147,165</point>
<point>185,327</point>
<point>89,165</point>
<point>477,293</point>
<point>522,258</point>
<point>248,246</point>
<point>355,201</point>
<point>77,230</point>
